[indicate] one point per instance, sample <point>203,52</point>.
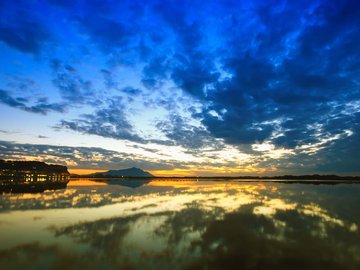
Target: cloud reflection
<point>193,225</point>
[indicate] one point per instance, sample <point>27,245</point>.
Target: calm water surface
<point>182,225</point>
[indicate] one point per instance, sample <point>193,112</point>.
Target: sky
<point>179,87</point>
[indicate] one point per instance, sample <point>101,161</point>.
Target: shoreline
<point>230,180</point>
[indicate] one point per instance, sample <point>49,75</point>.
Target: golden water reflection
<point>96,224</point>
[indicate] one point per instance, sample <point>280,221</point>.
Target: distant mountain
<point>131,172</point>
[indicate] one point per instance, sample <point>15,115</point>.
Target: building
<point>32,175</point>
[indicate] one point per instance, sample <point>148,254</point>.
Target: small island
<point>124,173</point>
<point>31,176</point>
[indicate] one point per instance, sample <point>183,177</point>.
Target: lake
<point>124,224</point>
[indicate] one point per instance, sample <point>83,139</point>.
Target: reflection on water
<point>182,225</point>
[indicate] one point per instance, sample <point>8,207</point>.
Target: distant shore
<point>291,179</point>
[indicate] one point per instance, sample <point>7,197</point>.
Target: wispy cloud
<point>41,105</point>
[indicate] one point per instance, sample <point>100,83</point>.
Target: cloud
<point>291,75</point>
<point>155,72</point>
<point>342,155</point>
<point>73,88</point>
<point>130,91</point>
<point>181,133</point>
<point>81,157</point>
<point>21,29</point>
<point>109,80</point>
<point>116,29</point>
<point>108,122</point>
<point>41,106</point>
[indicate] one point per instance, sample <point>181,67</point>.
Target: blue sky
<point>182,87</point>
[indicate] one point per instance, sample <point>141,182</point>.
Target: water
<point>182,225</point>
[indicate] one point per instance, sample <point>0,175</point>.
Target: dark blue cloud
<point>155,72</point>
<point>73,88</point>
<point>291,71</point>
<point>342,156</point>
<point>41,106</point>
<point>130,91</point>
<point>181,133</point>
<point>21,29</point>
<point>109,80</point>
<point>108,122</point>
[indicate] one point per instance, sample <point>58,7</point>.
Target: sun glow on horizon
<point>84,171</point>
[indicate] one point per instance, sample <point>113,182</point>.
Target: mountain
<point>131,172</point>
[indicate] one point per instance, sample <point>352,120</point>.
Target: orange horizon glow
<point>174,172</point>
<point>209,172</point>
<point>191,172</point>
<point>84,171</point>
<point>166,173</point>
<point>169,173</point>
